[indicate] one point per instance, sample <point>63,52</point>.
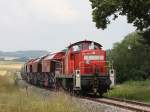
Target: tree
<point>131,63</point>
<point>137,12</point>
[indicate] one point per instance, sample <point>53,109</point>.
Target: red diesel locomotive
<point>81,67</point>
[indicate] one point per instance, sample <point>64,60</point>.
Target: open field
<point>3,72</point>
<point>10,63</point>
<point>15,98</point>
<point>132,90</point>
<point>14,66</point>
<point>9,67</point>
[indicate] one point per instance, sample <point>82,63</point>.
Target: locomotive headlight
<point>78,75</point>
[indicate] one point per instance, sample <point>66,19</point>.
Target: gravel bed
<point>91,106</point>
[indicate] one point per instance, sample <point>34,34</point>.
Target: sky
<point>53,24</point>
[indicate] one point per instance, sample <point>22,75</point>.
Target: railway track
<point>122,103</point>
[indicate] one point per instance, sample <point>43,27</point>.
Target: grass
<point>10,62</point>
<point>10,65</point>
<point>132,90</point>
<point>3,72</point>
<point>14,98</point>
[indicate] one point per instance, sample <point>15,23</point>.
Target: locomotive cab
<point>88,58</point>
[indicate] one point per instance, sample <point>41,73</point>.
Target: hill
<point>21,55</point>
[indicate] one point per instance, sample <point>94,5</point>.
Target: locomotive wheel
<point>76,93</point>
<point>100,94</point>
<point>84,93</point>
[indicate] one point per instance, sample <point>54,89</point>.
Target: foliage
<point>132,90</point>
<point>131,59</point>
<point>137,12</point>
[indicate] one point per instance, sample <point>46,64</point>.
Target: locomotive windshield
<point>84,46</point>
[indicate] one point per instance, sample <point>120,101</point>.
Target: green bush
<point>131,59</point>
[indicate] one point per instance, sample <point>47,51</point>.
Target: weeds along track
<point>122,103</point>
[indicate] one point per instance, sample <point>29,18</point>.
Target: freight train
<point>81,67</point>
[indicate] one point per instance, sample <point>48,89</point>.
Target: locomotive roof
<point>50,56</point>
<point>30,61</point>
<point>40,58</point>
<point>84,41</point>
<point>54,55</point>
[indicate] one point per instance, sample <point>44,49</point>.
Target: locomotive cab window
<point>93,46</point>
<point>76,48</point>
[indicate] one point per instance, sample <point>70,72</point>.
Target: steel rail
<point>129,101</point>
<point>128,107</point>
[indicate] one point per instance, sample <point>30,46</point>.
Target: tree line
<point>131,58</point>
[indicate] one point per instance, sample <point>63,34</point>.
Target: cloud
<point>53,10</point>
<point>29,15</point>
<point>26,11</point>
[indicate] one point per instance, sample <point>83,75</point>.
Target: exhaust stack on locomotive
<point>81,67</point>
